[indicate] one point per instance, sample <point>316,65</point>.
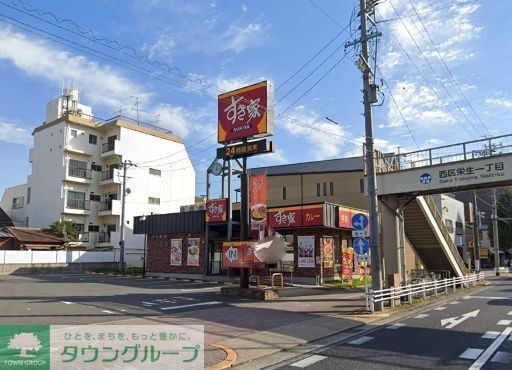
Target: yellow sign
<point>484,253</point>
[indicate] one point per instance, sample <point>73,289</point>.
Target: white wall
<point>17,215</point>
<point>29,257</point>
<point>451,209</point>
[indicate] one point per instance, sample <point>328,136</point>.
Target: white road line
<point>191,305</point>
<point>454,302</point>
<point>148,303</point>
<point>471,353</point>
<point>490,350</point>
<point>491,335</point>
<point>197,289</point>
<point>421,316</point>
<point>502,358</point>
<point>395,326</point>
<point>483,297</point>
<point>360,340</point>
<point>504,322</point>
<point>65,302</point>
<point>510,313</point>
<point>185,298</point>
<point>308,361</point>
<point>107,311</point>
<point>441,308</point>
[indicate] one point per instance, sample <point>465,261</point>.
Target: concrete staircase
<point>431,240</point>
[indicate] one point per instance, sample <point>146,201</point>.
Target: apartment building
<point>76,175</point>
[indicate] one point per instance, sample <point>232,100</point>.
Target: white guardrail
<point>33,257</point>
<point>420,290</point>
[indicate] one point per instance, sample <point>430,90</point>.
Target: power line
<point>447,69</point>
<point>325,13</point>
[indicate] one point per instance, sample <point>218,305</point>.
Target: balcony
<point>78,206</point>
<point>109,177</point>
<point>110,148</point>
<point>103,237</point>
<point>80,175</point>
<point>110,207</point>
<point>83,237</point>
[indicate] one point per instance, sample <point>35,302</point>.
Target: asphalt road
<point>473,332</point>
<point>87,299</point>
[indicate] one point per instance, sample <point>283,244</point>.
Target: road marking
<point>491,335</point>
<point>191,305</point>
<point>185,298</point>
<point>510,313</point>
<point>441,308</point>
<point>502,358</point>
<point>196,289</point>
<point>483,297</point>
<point>308,361</point>
<point>65,302</point>
<point>454,321</point>
<point>360,340</point>
<point>471,353</point>
<point>491,349</point>
<point>454,302</point>
<point>504,322</point>
<point>421,316</point>
<point>148,303</point>
<point>107,311</point>
<point>395,326</point>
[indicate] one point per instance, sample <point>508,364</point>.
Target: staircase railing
<point>446,234</point>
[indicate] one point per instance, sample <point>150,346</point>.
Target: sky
<point>442,68</point>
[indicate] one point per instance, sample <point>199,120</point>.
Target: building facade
<point>77,176</point>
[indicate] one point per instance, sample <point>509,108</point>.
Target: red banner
<point>258,189</point>
<point>216,210</point>
<point>244,113</point>
<point>313,215</point>
<point>345,218</point>
<point>238,255</point>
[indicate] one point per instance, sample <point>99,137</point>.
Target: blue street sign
<point>361,246</point>
<point>359,221</point>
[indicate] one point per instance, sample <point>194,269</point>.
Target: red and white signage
<point>285,217</point>
<point>237,255</point>
<point>246,112</point>
<point>313,215</point>
<point>216,210</point>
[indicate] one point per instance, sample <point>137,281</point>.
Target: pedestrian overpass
<point>405,183</point>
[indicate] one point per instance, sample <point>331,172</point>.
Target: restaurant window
<point>318,189</point>
<point>284,192</point>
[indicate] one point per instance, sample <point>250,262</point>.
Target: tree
<point>504,227</point>
<point>66,228</point>
<point>25,342</point>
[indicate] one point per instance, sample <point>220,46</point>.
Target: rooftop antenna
<point>157,119</point>
<point>120,111</point>
<point>136,108</point>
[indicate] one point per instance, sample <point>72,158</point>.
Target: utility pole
<point>124,192</point>
<point>369,97</point>
<point>476,226</point>
<point>495,236</point>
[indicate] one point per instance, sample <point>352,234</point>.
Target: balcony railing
<point>107,175</point>
<point>80,173</point>
<point>107,147</point>
<point>79,204</point>
<point>83,237</point>
<point>103,237</point>
<point>106,205</point>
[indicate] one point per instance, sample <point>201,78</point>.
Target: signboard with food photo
<point>327,247</point>
<point>257,203</point>
<point>216,210</point>
<point>246,112</point>
<point>193,252</point>
<point>176,252</point>
<point>306,251</point>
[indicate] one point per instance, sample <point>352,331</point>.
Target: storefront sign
<point>245,149</point>
<point>345,217</point>
<point>258,203</point>
<point>285,217</point>
<point>246,112</point>
<point>313,215</point>
<point>306,251</point>
<point>327,247</point>
<point>176,252</point>
<point>216,210</point>
<point>484,253</point>
<point>237,255</point>
<point>347,263</point>
<point>193,252</point>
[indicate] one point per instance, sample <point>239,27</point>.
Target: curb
<point>228,362</point>
<point>185,280</point>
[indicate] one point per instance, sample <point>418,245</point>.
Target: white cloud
<point>245,8</point>
<point>278,157</point>
<point>237,38</point>
<point>163,47</point>
<point>12,133</point>
<point>499,102</point>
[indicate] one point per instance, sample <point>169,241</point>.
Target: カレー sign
<point>313,215</point>
<point>246,112</point>
<point>216,210</point>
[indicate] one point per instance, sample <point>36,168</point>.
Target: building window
<point>331,185</point>
<point>152,200</point>
<point>94,228</point>
<point>154,171</point>
<point>79,227</point>
<point>78,169</point>
<point>318,189</point>
<point>95,197</point>
<point>325,189</point>
<point>29,190</point>
<point>93,139</point>
<point>27,219</point>
<point>74,133</point>
<point>17,202</point>
<point>96,167</point>
<point>284,192</point>
<point>449,225</point>
<point>76,200</point>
